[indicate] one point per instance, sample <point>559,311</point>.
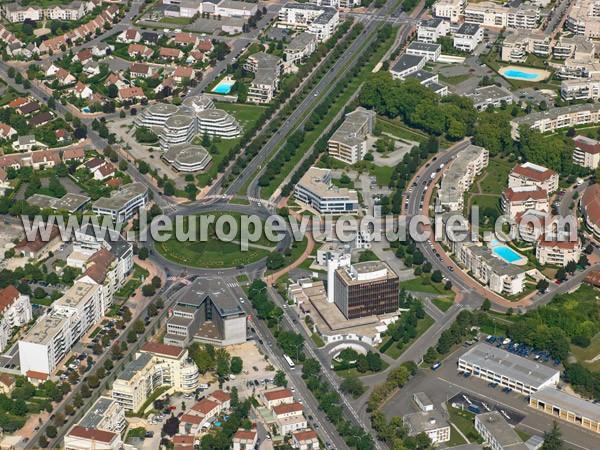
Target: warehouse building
<point>567,407</point>
<point>508,370</point>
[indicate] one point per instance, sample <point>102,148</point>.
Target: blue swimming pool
<point>506,253</point>
<point>520,74</point>
<point>223,87</point>
<point>86,110</point>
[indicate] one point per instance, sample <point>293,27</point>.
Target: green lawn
<point>465,422</point>
<point>355,373</point>
<point>136,432</point>
<point>400,130</point>
<point>495,176</point>
<point>176,20</point>
<point>455,439</point>
<point>295,252</point>
<point>424,284</point>
<point>454,80</point>
<point>317,340</point>
<point>246,115</point>
<point>214,252</point>
<point>422,326</point>
<point>243,278</point>
<point>442,304</point>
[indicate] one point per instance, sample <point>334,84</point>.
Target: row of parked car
<point>520,349</point>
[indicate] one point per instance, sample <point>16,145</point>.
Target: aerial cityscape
<point>303,224</point>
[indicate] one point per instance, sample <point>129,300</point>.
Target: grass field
<point>317,340</point>
<point>422,326</point>
<point>176,20</point>
<point>246,115</point>
<point>465,422</point>
<point>214,252</point>
<point>496,176</point>
<point>442,304</point>
<point>423,284</point>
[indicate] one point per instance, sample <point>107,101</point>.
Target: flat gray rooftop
<point>135,366</point>
<point>502,432</point>
<point>570,403</point>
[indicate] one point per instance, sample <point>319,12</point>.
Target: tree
<point>43,441</point>
<point>143,253</point>
<point>486,306</point>
<point>131,337</point>
<point>148,290</point>
<point>59,418</point>
<point>237,364</point>
<point>116,352</point>
<point>156,282</point>
<point>70,410</point>
<point>553,438</point>
<point>171,426</point>
<point>561,274</point>
<point>126,314</point>
<point>51,431</point>
<point>85,391</point>
<point>542,285</point>
<point>353,386</point>
<point>275,261</point>
<point>112,90</point>
<point>280,379</point>
<point>571,267</point>
<point>583,261</point>
<point>436,276</point>
<point>431,355</point>
<point>93,381</point>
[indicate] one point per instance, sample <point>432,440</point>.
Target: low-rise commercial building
<point>507,369</point>
<point>430,30</point>
<point>529,174</point>
<point>316,190</point>
<point>558,118</point>
<point>155,365</point>
<point>431,52</point>
<point>497,433</point>
<point>188,157</point>
<point>590,208</point>
<point>432,423</point>
<point>567,407</point>
<point>460,175</point>
<point>81,438</point>
<point>123,204</point>
<point>365,289</point>
<point>349,142</point>
<point>490,95</point>
<point>407,65</point>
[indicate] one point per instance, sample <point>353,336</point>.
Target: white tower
<point>332,265</point>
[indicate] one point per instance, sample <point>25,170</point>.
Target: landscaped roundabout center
<point>211,243</point>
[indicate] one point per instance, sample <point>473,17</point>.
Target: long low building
<point>558,118</point>
<point>497,433</point>
<point>507,369</point>
<point>188,157</point>
<point>316,189</point>
<point>567,407</point>
<point>123,204</point>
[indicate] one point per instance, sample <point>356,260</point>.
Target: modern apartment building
<point>579,48</point>
<point>489,14</point>
<point>431,52</point>
<point>289,417</point>
<point>497,433</point>
<point>449,9</point>
<point>584,18</point>
<point>206,312</point>
<point>316,190</point>
<point>558,118</point>
<point>557,253</point>
<point>349,142</point>
<point>590,208</point>
<point>15,311</point>
<point>267,69</point>
<point>529,174</point>
<point>519,43</point>
<point>520,374</point>
<point>321,21</point>
<point>155,365</point>
<point>365,289</point>
<point>517,200</point>
<point>407,65</point>
<point>587,152</point>
<point>123,204</point>
<point>301,47</point>
<point>459,176</point>
<point>468,36</point>
<point>14,12</point>
<point>430,30</point>
<point>54,334</point>
<point>580,89</point>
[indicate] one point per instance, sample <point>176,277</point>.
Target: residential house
<point>6,131</point>
<point>106,171</point>
<point>170,53</point>
<point>289,417</point>
<point>49,69</point>
<point>81,90</point>
<point>276,396</point>
<point>139,50</point>
<point>138,70</point>
<point>40,119</point>
<point>64,77</point>
<point>182,73</point>
<point>129,36</point>
<point>305,440</point>
<point>83,56</point>
<point>132,93</point>
<point>186,39</point>
<point>28,108</point>
<point>245,439</point>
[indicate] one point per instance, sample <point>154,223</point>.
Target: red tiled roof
<point>107,169</point>
<point>519,196</point>
<point>592,149</point>
<point>205,406</point>
<point>92,434</point>
<point>84,55</point>
<point>183,440</point>
<point>37,244</point>
<point>191,419</point>
<point>17,102</point>
<point>277,395</point>
<point>185,38</point>
<point>246,435</point>
<point>162,349</point>
<point>183,72</point>
<point>542,242</point>
<point>6,379</point>
<point>520,169</point>
<point>37,375</point>
<point>308,435</point>
<point>131,92</point>
<point>287,408</point>
<point>591,204</point>
<point>8,295</point>
<point>204,46</point>
<point>170,52</point>
<point>220,395</point>
<point>139,68</point>
<point>5,129</point>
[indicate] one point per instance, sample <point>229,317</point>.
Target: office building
<point>432,423</point>
<point>517,200</point>
<point>216,122</point>
<point>431,52</point>
<point>490,95</point>
<point>459,176</point>
<point>206,312</point>
<point>54,334</point>
<point>349,142</point>
<point>156,115</point>
<point>188,157</point>
<point>155,365</point>
<point>507,369</point>
<point>567,407</point>
<point>558,118</point>
<point>430,30</point>
<point>590,208</point>
<point>449,9</point>
<point>321,21</point>
<point>366,289</point>
<point>15,311</point>
<point>497,433</point>
<point>316,190</point>
<point>468,36</point>
<point>123,204</point>
<point>407,65</point>
<point>529,174</point>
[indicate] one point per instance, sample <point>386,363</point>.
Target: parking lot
<point>475,404</point>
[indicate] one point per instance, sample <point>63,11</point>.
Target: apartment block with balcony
<point>515,201</point>
<point>558,118</point>
<point>449,9</point>
<point>349,142</point>
<point>583,18</point>
<point>15,310</point>
<point>529,174</point>
<point>123,204</point>
<point>155,365</point>
<point>519,43</point>
<point>321,21</point>
<point>589,206</point>
<point>587,152</point>
<point>430,30</point>
<point>468,36</point>
<point>557,253</point>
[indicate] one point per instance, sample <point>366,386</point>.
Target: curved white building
<point>216,122</point>
<point>178,129</point>
<point>156,115</point>
<point>188,158</point>
<point>198,103</point>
